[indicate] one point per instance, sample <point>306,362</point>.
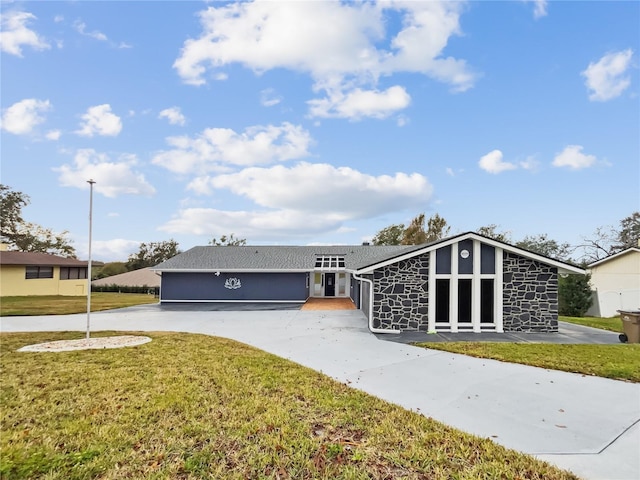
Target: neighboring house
<point>615,281</point>
<point>463,283</point>
<point>34,273</point>
<point>144,277</point>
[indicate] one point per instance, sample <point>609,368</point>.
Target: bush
<point>574,295</point>
<point>126,289</point>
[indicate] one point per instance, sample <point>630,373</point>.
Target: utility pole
<point>90,182</point>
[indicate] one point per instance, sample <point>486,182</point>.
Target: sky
<point>302,123</point>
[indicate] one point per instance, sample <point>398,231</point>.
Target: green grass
<point>194,406</point>
<point>619,362</point>
<point>63,305</point>
<point>613,324</point>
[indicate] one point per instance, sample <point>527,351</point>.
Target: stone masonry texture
<point>529,295</point>
<point>401,295</point>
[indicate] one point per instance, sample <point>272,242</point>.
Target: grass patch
<point>63,305</point>
<point>619,362</point>
<point>195,406</point>
<point>613,324</point>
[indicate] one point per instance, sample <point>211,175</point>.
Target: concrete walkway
<point>585,424</point>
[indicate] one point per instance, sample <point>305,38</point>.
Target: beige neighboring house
<point>143,277</point>
<point>35,273</point>
<point>615,282</point>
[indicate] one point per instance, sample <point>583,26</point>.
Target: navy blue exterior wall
<point>184,286</point>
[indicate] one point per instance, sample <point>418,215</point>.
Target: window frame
<point>37,272</point>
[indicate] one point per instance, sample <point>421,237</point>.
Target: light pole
<point>90,182</point>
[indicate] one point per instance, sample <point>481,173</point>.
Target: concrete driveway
<point>585,424</point>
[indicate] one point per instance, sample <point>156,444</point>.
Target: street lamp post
<point>90,182</point>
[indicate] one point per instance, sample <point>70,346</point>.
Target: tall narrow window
<point>443,286</point>
<point>464,300</point>
<point>486,300</point>
<point>342,284</point>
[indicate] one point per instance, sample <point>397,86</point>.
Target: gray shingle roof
<point>276,257</point>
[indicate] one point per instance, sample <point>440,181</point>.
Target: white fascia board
<point>611,257</point>
<point>562,267</point>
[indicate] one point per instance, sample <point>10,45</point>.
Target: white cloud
<point>263,225</point>
<point>402,120</point>
<point>573,158</point>
<point>21,117</point>
<point>81,27</point>
<point>530,163</point>
<point>269,97</point>
<point>302,200</point>
<point>174,115</point>
<point>100,121</point>
<point>115,250</point>
<point>539,8</point>
<point>216,148</point>
<point>492,162</point>
<point>15,34</point>
<point>358,103</point>
<point>53,135</point>
<point>322,187</point>
<point>606,78</point>
<point>113,178</point>
<point>58,18</point>
<point>338,44</point>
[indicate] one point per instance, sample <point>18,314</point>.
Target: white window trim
<point>453,277</point>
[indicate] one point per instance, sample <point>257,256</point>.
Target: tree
<point>25,236</point>
<point>11,204</point>
<point>112,268</point>
<point>574,295</point>
<point>152,253</point>
<point>607,240</point>
<point>230,241</point>
<point>415,233</point>
<point>629,233</point>
<point>545,246</point>
<point>491,231</point>
<point>437,228</point>
<point>391,235</point>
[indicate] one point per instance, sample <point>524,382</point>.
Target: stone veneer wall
<point>529,295</point>
<point>401,295</point>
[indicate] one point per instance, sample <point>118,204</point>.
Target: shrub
<point>574,295</point>
<point>126,289</point>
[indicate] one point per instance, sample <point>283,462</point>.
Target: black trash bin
<point>630,326</point>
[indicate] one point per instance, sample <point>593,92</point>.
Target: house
<point>143,278</point>
<point>467,282</point>
<point>35,273</point>
<point>615,281</point>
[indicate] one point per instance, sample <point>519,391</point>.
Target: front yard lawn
<point>613,324</point>
<point>195,406</point>
<point>63,305</point>
<point>619,362</point>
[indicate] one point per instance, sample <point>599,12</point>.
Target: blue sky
<point>319,122</point>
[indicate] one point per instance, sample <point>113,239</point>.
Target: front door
<point>330,285</point>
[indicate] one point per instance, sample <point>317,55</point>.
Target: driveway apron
<point>588,425</point>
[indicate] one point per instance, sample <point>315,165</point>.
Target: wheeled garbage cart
<point>630,326</point>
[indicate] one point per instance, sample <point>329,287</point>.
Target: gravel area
<point>87,344</point>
